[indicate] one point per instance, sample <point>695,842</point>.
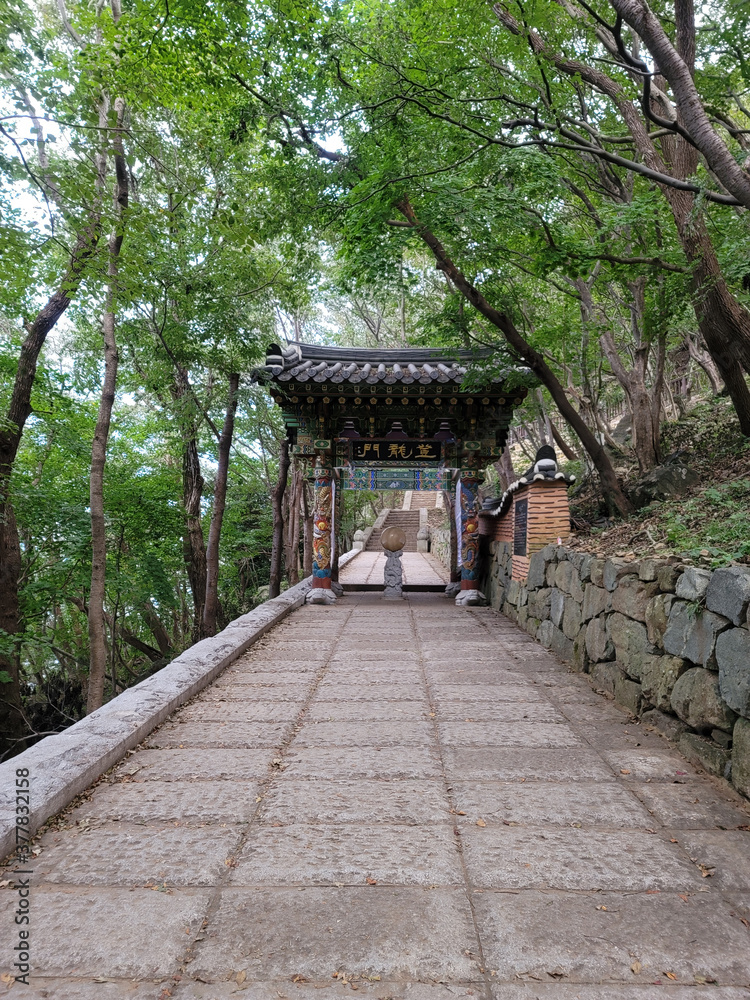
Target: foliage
<point>714,526</point>
<point>269,147</point>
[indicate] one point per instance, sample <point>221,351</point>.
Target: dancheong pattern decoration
<point>470,483</point>
<point>322,516</point>
<point>395,479</point>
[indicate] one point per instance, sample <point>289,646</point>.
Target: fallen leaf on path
<point>670,975</point>
<point>481,822</point>
<point>624,770</point>
<point>371,881</point>
<point>636,967</point>
<point>240,977</point>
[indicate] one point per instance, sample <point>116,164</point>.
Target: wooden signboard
<point>385,450</point>
<point>521,508</point>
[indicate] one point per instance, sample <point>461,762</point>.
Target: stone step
<point>423,498</point>
<point>407,520</point>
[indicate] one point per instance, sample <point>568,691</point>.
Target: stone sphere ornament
<point>393,539</point>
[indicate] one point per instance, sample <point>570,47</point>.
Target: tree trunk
<point>570,453</point>
<point>291,553</point>
<point>97,635</point>
<point>724,323</point>
<point>615,498</point>
<point>720,317</point>
<point>194,547</point>
<point>505,471</point>
<point>676,64</point>
<point>646,428</point>
<point>97,628</point>
<point>12,725</point>
<point>277,505</point>
<point>157,629</point>
<point>704,360</point>
<point>211,609</point>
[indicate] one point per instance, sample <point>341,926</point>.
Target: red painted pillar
<point>470,480</point>
<point>322,524</point>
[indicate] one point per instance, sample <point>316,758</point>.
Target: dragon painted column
<point>468,485</point>
<point>322,524</point>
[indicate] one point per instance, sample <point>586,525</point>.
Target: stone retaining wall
<point>670,643</point>
<point>440,545</point>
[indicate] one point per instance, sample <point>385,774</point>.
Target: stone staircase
<point>407,520</point>
<point>423,498</point>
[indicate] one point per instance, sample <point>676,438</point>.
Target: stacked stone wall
<point>440,545</point>
<point>670,643</point>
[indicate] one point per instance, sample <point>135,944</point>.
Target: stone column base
<point>471,598</point>
<point>319,595</point>
<point>451,589</point>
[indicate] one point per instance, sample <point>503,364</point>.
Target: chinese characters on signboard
<point>519,527</point>
<point>395,451</point>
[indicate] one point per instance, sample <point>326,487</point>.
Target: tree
<point>277,505</point>
<point>211,609</point>
<point>96,615</point>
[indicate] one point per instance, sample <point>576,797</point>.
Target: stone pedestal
<point>320,595</point>
<point>393,576</point>
<point>471,598</point>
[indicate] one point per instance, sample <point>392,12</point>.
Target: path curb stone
<point>64,765</point>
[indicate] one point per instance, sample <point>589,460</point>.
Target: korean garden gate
<point>410,419</point>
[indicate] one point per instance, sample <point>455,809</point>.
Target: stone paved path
<point>408,801</point>
<point>418,568</point>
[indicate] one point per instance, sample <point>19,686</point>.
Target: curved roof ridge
<point>389,356</point>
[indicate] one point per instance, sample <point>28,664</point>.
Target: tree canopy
<point>566,181</point>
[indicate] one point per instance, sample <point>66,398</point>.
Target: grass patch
<point>714,525</point>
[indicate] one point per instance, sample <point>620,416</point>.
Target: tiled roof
<point>310,363</point>
<point>544,469</point>
<point>498,506</point>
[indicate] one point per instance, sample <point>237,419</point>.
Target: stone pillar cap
<point>393,539</point>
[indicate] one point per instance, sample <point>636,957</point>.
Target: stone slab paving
<point>410,801</point>
<point>418,568</point>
